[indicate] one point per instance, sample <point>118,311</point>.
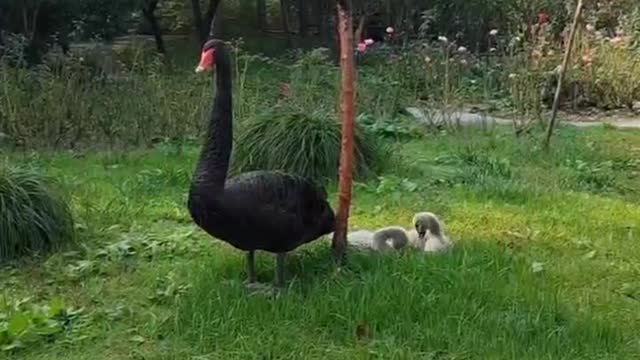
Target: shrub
<point>304,144</point>
<point>33,216</point>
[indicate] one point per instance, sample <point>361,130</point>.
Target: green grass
<point>148,285</point>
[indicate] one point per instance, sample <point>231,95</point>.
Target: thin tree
<point>210,14</point>
<point>345,30</point>
<point>561,75</point>
<point>197,20</point>
<point>302,18</point>
<point>261,14</point>
<point>149,11</point>
<point>284,18</point>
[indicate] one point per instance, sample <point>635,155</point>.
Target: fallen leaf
<point>362,331</point>
<point>137,339</point>
<point>537,267</point>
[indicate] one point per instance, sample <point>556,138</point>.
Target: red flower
<point>543,18</point>
<point>362,47</point>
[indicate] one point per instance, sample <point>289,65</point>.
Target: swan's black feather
<point>265,210</point>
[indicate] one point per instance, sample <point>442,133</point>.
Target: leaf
<point>137,339</point>
<point>56,307</point>
<point>537,267</point>
<point>4,338</point>
<point>409,186</point>
<point>22,301</point>
<point>51,329</point>
<point>590,255</point>
<point>11,347</point>
<point>18,324</point>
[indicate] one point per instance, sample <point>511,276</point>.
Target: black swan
<point>260,210</point>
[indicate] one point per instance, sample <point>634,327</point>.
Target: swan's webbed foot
<point>257,288</point>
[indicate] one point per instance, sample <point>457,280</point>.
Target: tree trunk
<point>148,10</point>
<point>212,11</point>
<point>345,26</point>
<point>323,21</point>
<point>329,28</point>
<point>261,13</point>
<point>316,15</point>
<point>197,21</point>
<point>302,18</point>
<point>284,16</point>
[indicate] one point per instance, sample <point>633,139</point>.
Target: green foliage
<point>307,144</point>
<point>42,23</point>
<point>104,19</point>
<point>33,215</point>
<point>596,176</point>
<point>100,106</point>
<point>23,323</point>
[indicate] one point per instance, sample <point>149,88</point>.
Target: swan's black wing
<point>281,210</point>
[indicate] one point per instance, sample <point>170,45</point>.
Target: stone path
<point>469,118</point>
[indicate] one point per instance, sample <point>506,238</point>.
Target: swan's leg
<point>251,266</point>
<point>280,269</point>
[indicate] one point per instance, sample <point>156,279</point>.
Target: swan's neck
<point>213,165</point>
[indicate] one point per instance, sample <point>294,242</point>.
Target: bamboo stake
<point>563,70</point>
<point>345,29</point>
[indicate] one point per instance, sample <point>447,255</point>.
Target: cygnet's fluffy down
<point>437,243</point>
<point>414,239</point>
<point>391,237</point>
<point>388,238</point>
<point>428,234</point>
<point>361,239</point>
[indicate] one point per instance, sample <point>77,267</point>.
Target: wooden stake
<point>563,71</point>
<point>345,29</point>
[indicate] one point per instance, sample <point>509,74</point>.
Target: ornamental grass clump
<point>306,144</point>
<point>34,217</point>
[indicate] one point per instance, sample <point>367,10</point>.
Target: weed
<point>23,323</point>
<point>595,176</point>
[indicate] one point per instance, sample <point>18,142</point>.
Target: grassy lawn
<point>546,265</point>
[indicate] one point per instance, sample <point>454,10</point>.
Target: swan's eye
<point>207,60</point>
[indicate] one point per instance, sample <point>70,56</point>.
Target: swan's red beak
<point>207,60</point>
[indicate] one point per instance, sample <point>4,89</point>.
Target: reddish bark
<point>345,30</point>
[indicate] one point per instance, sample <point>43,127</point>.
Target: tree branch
<point>563,70</point>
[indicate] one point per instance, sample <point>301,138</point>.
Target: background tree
<point>149,11</point>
